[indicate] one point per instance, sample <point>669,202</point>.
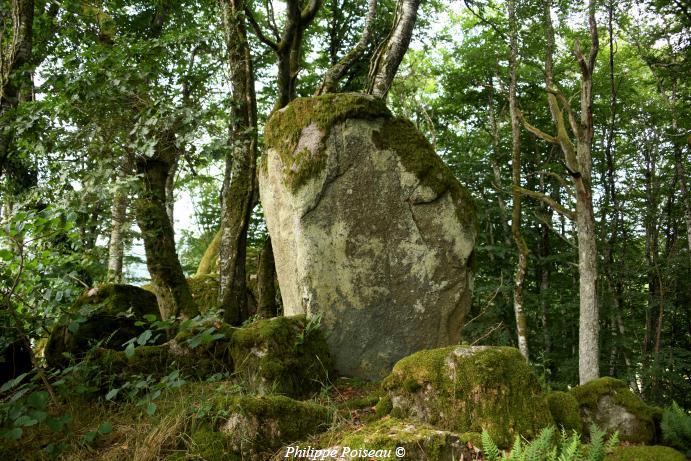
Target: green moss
<point>468,390</point>
<point>473,438</point>
<point>564,409</point>
<point>417,155</point>
<point>645,453</point>
<point>211,445</point>
<point>204,290</point>
<point>106,313</point>
<point>589,395</point>
<point>384,406</point>
<point>209,261</point>
<point>284,355</point>
<point>284,128</point>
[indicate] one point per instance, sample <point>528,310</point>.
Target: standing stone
<point>370,230</point>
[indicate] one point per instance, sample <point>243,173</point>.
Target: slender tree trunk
<point>521,267</point>
<point>172,291</point>
<point>390,53</point>
<point>170,191</point>
<point>238,184</point>
<point>495,162</point>
<point>119,225</point>
<point>266,289</point>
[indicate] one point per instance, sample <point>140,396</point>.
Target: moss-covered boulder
<point>645,453</point>
<point>283,355</point>
<point>563,407</point>
<point>107,314</point>
<point>369,229</point>
<point>468,389</point>
<point>392,438</point>
<point>204,290</point>
<point>253,428</point>
<point>610,404</point>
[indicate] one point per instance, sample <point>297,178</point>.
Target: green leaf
<point>129,350</point>
<point>6,255</point>
<point>55,424</point>
<point>151,409</point>
<point>105,428</point>
<point>144,337</point>
<point>38,399</point>
<point>73,327</point>
<point>24,421</point>
<point>14,433</point>
<point>112,393</point>
<point>90,436</point>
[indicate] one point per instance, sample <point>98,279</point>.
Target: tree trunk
<point>390,53</point>
<point>266,288</point>
<point>238,183</point>
<point>521,267</point>
<point>170,191</point>
<point>119,225</point>
<point>172,291</point>
<point>15,56</point>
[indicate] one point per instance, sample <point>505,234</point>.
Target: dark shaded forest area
<point>133,139</point>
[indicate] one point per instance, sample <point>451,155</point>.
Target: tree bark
<point>266,289</point>
<point>119,224</point>
<point>238,183</point>
<point>390,53</point>
<point>523,252</point>
<point>172,291</point>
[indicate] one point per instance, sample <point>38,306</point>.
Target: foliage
<point>676,428</point>
<point>546,446</point>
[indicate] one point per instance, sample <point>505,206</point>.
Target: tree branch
<point>538,132</point>
<point>256,28</point>
<point>547,200</point>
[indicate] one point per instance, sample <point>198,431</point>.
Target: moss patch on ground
<point>285,126</point>
<point>466,389</point>
<point>590,400</point>
<point>645,453</point>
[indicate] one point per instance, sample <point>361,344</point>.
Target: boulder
<point>610,404</point>
<point>391,438</point>
<point>370,230</point>
<point>470,389</point>
<point>253,428</point>
<point>107,313</point>
<point>283,355</point>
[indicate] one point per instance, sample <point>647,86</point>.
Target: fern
<point>570,447</point>
<point>490,450</point>
<point>597,446</point>
<point>539,449</point>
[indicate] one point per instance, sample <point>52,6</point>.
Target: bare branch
<point>538,132</point>
<point>256,28</point>
<point>547,200</point>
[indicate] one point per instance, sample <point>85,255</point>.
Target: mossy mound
<point>253,428</point>
<point>107,313</point>
<point>610,404</point>
<point>283,355</point>
<point>468,389</point>
<point>392,438</point>
<point>645,453</point>
<point>285,128</point>
<point>564,410</point>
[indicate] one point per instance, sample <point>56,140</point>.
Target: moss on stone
<point>384,406</point>
<point>204,290</point>
<point>283,355</point>
<point>590,399</point>
<point>645,453</point>
<point>106,313</point>
<point>564,409</point>
<point>211,445</point>
<point>468,389</point>
<point>417,155</point>
<point>253,426</point>
<point>285,126</point>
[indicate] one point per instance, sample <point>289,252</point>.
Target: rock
<point>564,410</point>
<point>370,230</point>
<point>645,453</point>
<point>611,405</point>
<point>391,438</point>
<point>16,360</point>
<point>468,389</point>
<point>107,313</point>
<point>253,428</point>
<point>283,355</point>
